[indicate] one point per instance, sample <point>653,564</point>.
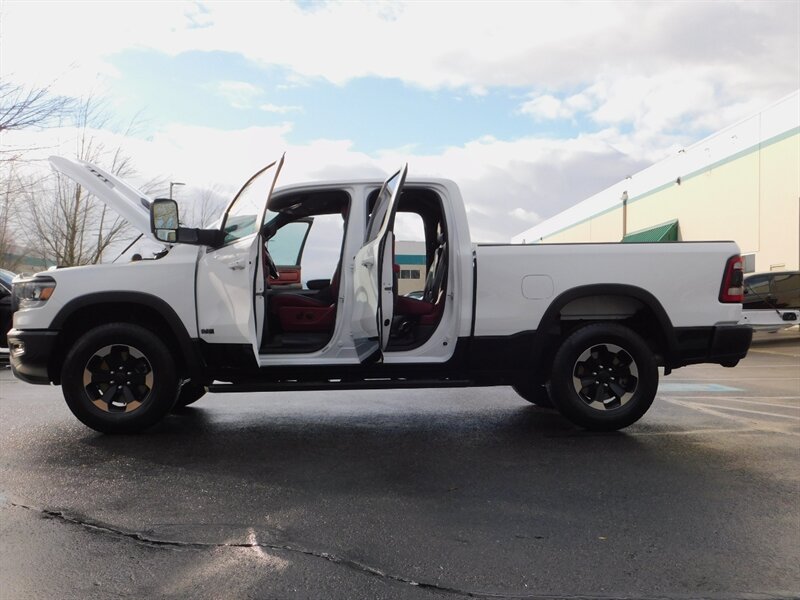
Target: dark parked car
<point>774,290</point>
<point>5,307</point>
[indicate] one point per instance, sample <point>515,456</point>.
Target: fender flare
<point>549,324</point>
<point>191,357</point>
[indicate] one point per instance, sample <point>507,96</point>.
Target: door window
<point>240,219</point>
<point>323,250</point>
<point>383,204</point>
<point>287,244</point>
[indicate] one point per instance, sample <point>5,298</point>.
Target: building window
<point>409,274</point>
<point>749,263</point>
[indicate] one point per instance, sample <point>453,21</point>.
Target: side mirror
<point>164,220</point>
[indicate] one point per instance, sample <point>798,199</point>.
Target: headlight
<point>33,292</point>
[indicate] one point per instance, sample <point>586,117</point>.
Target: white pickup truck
<point>580,327</point>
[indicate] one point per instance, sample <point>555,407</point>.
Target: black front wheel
<point>119,378</point>
<point>604,377</point>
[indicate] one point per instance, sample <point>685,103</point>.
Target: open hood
<point>131,204</point>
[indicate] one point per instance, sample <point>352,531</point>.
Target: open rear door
<point>373,277</point>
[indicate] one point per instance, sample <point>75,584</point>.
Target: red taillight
<point>732,289</point>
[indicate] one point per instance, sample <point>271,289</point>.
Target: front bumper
<point>724,344</point>
<point>30,352</point>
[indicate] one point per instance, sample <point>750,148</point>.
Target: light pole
<point>172,184</point>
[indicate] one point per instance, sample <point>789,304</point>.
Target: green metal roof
<point>409,259</point>
<point>666,232</point>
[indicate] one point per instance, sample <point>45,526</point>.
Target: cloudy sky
<point>530,107</point>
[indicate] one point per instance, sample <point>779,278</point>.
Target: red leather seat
<point>301,313</point>
<point>427,312</point>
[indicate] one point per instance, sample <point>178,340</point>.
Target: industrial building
<point>410,257</point>
<point>741,183</point>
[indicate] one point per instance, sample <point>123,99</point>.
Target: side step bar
<point>309,386</point>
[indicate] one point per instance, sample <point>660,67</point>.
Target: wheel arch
<point>651,321</point>
<point>140,308</point>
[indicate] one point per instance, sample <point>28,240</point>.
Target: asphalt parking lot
<point>412,494</point>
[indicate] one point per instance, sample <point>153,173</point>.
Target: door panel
<point>373,276</point>
<point>230,279</point>
<point>225,307</point>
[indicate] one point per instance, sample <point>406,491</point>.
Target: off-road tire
<point>119,378</point>
<point>593,387</point>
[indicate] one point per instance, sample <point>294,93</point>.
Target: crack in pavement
<point>98,527</point>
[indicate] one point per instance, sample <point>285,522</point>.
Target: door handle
<point>236,266</point>
<point>367,263</point>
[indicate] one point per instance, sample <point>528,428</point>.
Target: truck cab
<point>252,303</point>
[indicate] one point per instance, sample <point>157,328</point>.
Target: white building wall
<point>741,183</point>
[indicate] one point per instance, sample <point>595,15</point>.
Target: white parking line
<point>733,378</point>
<point>695,431</point>
<point>741,366</point>
<point>747,400</point>
<point>752,424</point>
<point>745,410</point>
<point>776,352</point>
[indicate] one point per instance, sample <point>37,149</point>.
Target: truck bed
<point>516,284</point>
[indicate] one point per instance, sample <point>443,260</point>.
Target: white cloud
<point>525,215</point>
<point>551,46</point>
<point>506,185</point>
<point>278,109</point>
<point>546,107</point>
<point>239,94</point>
<point>649,75</point>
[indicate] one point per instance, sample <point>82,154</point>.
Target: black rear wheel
<point>604,377</point>
<point>119,378</point>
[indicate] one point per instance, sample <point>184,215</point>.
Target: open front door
<point>230,279</point>
<point>373,277</point>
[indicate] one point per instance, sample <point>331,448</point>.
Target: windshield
<point>240,220</point>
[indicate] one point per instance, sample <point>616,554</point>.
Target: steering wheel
<point>272,270</point>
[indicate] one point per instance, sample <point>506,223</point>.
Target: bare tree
<point>63,221</point>
<point>22,108</point>
<point>201,209</point>
<point>8,197</point>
